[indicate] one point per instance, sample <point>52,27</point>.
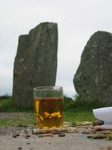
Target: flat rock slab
<point>70,141</point>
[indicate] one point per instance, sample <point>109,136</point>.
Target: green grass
<point>6,104</point>
<point>77,110</point>
<point>78,116</point>
<point>14,121</point>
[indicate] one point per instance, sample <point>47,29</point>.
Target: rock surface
<point>35,63</point>
<point>93,79</point>
<point>29,141</point>
<point>16,138</point>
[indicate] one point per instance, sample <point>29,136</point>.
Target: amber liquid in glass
<point>49,112</point>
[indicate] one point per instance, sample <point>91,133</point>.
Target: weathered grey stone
<point>35,63</point>
<point>93,78</point>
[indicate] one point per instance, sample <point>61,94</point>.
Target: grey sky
<point>77,21</point>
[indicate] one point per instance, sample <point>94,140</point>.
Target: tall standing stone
<point>35,63</point>
<point>93,79</point>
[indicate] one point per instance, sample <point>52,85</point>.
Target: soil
<point>21,138</point>
<point>13,115</point>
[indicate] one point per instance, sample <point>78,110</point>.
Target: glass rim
<point>47,87</point>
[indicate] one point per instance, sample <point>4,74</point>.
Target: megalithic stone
<point>93,78</point>
<point>35,62</point>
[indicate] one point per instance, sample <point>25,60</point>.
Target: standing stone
<point>35,63</point>
<point>93,79</point>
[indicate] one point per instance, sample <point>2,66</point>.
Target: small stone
<point>17,134</point>
<point>26,136</point>
<point>40,136</point>
<point>89,131</point>
<point>25,131</point>
<point>28,143</point>
<point>98,122</point>
<point>61,135</point>
<point>19,148</point>
<point>14,135</point>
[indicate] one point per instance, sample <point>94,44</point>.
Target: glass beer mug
<point>48,106</point>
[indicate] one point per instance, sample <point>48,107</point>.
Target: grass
<point>6,103</point>
<point>78,116</point>
<point>77,110</point>
<point>14,121</point>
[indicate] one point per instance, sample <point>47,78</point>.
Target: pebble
<point>26,136</point>
<point>61,135</point>
<point>28,143</point>
<point>98,122</point>
<point>19,148</point>
<point>14,135</point>
<point>40,136</point>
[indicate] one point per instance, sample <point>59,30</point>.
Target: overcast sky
<point>77,20</point>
